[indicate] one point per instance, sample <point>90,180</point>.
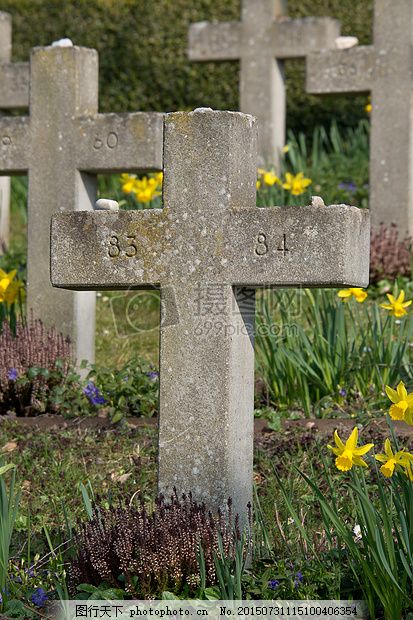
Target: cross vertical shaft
<point>207,354</point>
<point>384,69</point>
<point>57,98</point>
<point>262,76</point>
<point>5,56</point>
<point>63,145</point>
<point>391,157</point>
<point>207,250</point>
<point>262,40</point>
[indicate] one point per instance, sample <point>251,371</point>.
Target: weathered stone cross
<point>262,41</point>
<point>14,94</point>
<point>384,69</point>
<point>207,250</point>
<point>63,145</point>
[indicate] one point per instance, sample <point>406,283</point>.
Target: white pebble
<point>104,204</point>
<point>343,43</point>
<point>317,201</point>
<point>63,43</point>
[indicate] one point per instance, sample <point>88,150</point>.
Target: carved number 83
<point>129,248</point>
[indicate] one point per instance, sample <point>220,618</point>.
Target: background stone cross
<point>207,250</point>
<point>14,94</point>
<point>63,145</point>
<point>262,41</point>
<point>385,70</point>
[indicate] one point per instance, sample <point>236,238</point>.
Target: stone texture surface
<point>63,145</point>
<point>336,71</point>
<point>14,85</point>
<point>384,69</point>
<point>262,40</point>
<point>14,93</point>
<point>309,246</point>
<point>207,250</point>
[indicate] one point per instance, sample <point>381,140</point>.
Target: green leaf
<point>5,468</point>
<point>117,417</point>
<point>212,593</point>
<point>168,596</point>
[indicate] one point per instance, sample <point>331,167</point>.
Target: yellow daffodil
<point>158,176</point>
<point>286,148</point>
<point>391,459</point>
<point>6,278</point>
<point>349,454</point>
<point>9,287</point>
<point>258,184</point>
<point>270,178</point>
<point>12,292</point>
<point>146,189</point>
<point>296,184</point>
<point>408,471</point>
<point>128,183</point>
<point>358,293</point>
<point>397,306</point>
<point>368,107</point>
<point>402,407</point>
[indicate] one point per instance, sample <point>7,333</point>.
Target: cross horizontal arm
<point>298,246</point>
<point>14,144</point>
<point>308,246</point>
<point>295,38</point>
<point>340,71</point>
<point>209,41</point>
<point>102,250</point>
<point>14,85</point>
<point>120,142</point>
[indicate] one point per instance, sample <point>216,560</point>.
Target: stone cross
<point>263,39</point>
<point>63,145</point>
<point>384,69</point>
<point>14,94</point>
<point>207,250</point>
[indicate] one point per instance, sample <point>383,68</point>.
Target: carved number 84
<point>262,245</point>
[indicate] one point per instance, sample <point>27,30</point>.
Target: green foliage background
<point>142,47</point>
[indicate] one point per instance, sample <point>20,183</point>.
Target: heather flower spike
<point>158,548</point>
<point>349,454</point>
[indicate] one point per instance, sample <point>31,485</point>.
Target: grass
<point>127,324</point>
<point>51,464</point>
<point>119,462</point>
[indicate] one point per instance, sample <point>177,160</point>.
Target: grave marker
<point>207,250</point>
<point>63,145</point>
<point>384,70</point>
<point>14,94</point>
<point>262,40</point>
